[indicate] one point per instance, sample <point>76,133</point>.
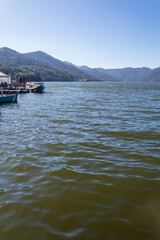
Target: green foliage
<point>14,63</point>
<point>16,72</point>
<point>62,66</point>
<point>39,66</point>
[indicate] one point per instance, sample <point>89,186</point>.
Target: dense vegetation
<point>16,72</point>
<point>39,66</point>
<point>53,62</point>
<point>14,63</point>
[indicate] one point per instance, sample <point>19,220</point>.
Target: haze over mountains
<point>37,66</point>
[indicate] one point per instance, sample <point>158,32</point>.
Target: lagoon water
<point>81,161</point>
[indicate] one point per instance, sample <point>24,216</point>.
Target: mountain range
<point>39,66</point>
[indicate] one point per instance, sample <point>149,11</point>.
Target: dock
<point>14,90</point>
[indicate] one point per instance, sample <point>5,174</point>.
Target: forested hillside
<point>39,66</point>
<point>15,63</point>
<point>53,62</point>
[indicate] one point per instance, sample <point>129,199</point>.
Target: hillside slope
<point>94,72</point>
<point>53,62</point>
<point>119,75</point>
<point>24,64</point>
<point>152,76</point>
<point>37,66</point>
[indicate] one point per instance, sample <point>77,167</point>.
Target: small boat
<point>8,98</point>
<point>36,87</point>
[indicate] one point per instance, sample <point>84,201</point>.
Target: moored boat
<point>8,98</point>
<point>36,87</point>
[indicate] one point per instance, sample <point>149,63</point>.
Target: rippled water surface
<point>81,161</point>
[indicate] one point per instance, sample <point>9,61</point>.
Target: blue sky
<point>96,33</point>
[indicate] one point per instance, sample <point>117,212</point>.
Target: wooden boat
<point>36,87</point>
<point>8,98</point>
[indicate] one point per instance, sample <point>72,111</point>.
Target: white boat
<point>36,87</point>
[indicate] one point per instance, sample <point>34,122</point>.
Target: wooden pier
<point>14,90</point>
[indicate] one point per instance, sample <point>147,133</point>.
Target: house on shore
<point>5,80</point>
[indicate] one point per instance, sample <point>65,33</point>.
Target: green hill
<point>53,62</point>
<point>14,63</point>
<point>39,66</point>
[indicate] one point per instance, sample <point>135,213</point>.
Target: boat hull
<point>38,89</point>
<point>6,98</point>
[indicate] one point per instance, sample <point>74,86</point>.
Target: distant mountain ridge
<point>120,75</point>
<point>37,66</point>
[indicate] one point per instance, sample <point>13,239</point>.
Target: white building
<point>5,78</point>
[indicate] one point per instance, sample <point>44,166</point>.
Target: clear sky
<point>96,33</point>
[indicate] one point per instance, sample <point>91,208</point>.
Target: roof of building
<point>3,75</point>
